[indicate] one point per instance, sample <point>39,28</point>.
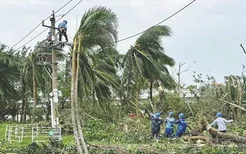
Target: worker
<point>169,125</point>
<point>181,125</point>
<point>62,28</point>
<point>156,125</point>
<point>49,37</point>
<point>220,122</point>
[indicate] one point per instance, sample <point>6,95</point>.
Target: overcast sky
<point>206,35</point>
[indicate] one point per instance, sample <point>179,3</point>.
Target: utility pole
<point>54,93</point>
<point>54,75</point>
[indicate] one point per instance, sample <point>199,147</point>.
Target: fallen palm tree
<point>205,126</point>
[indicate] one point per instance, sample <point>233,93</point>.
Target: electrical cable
<point>129,37</point>
<point>39,25</point>
<point>48,28</point>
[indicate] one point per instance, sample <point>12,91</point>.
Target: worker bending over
<point>62,28</point>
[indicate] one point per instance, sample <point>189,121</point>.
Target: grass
<point>67,139</point>
<point>167,145</point>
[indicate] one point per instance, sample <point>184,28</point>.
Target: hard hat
<point>219,114</point>
<point>157,114</point>
<point>181,115</point>
<point>171,114</point>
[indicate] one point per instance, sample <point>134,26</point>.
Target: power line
<point>40,24</point>
<point>129,37</point>
<point>59,15</point>
<point>159,22</point>
<point>48,28</point>
<point>70,10</point>
<point>63,6</point>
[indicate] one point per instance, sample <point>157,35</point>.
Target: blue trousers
<point>169,132</point>
<point>179,133</point>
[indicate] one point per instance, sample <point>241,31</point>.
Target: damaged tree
<point>98,30</point>
<point>216,134</point>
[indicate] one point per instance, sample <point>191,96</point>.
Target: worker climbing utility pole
<point>54,93</point>
<point>52,39</point>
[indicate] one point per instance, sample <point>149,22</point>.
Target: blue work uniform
<point>169,127</point>
<point>156,126</point>
<point>62,28</point>
<point>62,25</point>
<point>181,127</point>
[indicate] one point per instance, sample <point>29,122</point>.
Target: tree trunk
<point>137,101</point>
<point>73,114</point>
<point>161,94</point>
<point>25,111</point>
<point>81,136</point>
<point>215,133</point>
<point>22,110</point>
<point>153,105</point>
<point>23,99</point>
<point>34,97</point>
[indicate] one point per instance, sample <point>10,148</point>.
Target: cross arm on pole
<point>47,25</point>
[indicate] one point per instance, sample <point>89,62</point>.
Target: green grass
<point>104,139</point>
<point>67,140</point>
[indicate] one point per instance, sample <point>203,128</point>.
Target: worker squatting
<point>220,122</point>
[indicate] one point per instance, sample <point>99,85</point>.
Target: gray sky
<point>208,32</point>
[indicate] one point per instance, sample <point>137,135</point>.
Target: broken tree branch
<point>235,105</point>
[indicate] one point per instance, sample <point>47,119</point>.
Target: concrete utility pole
<point>54,103</point>
<point>54,100</point>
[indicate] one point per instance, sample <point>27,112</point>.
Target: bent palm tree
<point>9,74</point>
<point>146,60</point>
<point>157,74</point>
<point>98,30</point>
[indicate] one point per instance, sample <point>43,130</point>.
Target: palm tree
<point>31,77</point>
<point>98,30</point>
<point>38,80</point>
<point>9,74</point>
<point>133,75</point>
<point>41,70</point>
<point>147,61</point>
<point>98,75</point>
<point>26,76</point>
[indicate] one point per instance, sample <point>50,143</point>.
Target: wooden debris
<point>195,138</point>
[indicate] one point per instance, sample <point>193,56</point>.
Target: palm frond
<point>98,28</point>
<point>152,37</point>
